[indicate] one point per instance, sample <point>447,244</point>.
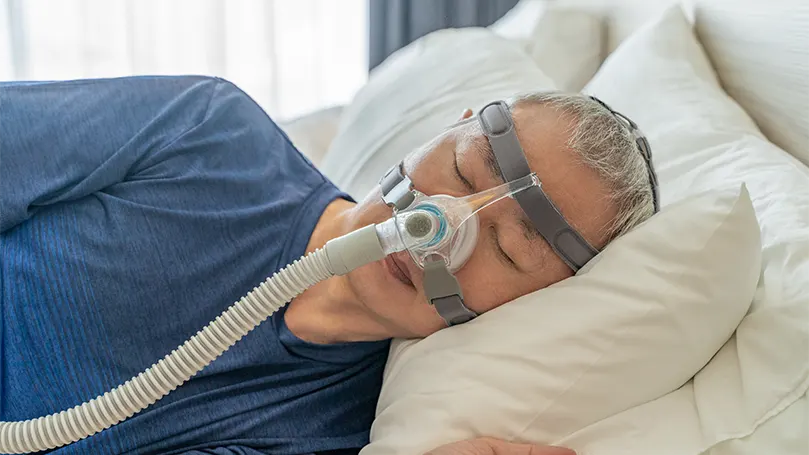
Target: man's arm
<point>61,141</point>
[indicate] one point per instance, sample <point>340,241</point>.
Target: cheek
<point>431,168</point>
<point>370,210</point>
<point>486,282</point>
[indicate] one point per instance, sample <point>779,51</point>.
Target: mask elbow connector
<point>407,230</point>
<point>354,250</point>
<point>404,231</point>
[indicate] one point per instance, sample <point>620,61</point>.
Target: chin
<point>378,288</point>
<point>399,307</point>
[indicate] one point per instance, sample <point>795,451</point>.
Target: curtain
<point>291,56</point>
<point>395,23</point>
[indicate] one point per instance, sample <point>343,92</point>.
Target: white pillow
<point>567,44</point>
<point>761,52</point>
<point>702,139</point>
<point>521,22</point>
<point>418,91</point>
<point>639,321</point>
<point>312,133</point>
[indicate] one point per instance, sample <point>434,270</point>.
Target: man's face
<point>510,258</point>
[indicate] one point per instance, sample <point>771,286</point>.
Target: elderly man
<point>135,210</point>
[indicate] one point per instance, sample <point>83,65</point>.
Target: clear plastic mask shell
<point>444,226</point>
<point>453,232</point>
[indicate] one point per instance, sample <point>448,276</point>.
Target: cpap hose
<point>338,257</point>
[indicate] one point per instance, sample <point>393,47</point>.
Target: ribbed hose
<point>173,370</point>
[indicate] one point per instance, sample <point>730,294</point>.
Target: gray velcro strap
<point>397,188</point>
<point>444,293</point>
<point>565,241</point>
<point>498,126</point>
<point>452,310</point>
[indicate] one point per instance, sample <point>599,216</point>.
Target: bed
<point>721,87</point>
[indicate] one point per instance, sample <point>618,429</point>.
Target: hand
<point>489,446</point>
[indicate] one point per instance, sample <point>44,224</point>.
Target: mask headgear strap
<point>441,287</point>
<point>444,293</point>
<point>643,146</point>
<point>498,126</point>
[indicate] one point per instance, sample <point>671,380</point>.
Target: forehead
<point>543,134</point>
<point>576,189</point>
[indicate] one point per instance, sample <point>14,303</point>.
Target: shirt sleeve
<point>62,141</point>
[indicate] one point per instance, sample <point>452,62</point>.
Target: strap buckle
<point>397,188</point>
<point>444,293</point>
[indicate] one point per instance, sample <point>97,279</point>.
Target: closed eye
<point>500,251</point>
<point>460,176</point>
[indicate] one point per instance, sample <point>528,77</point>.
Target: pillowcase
<point>417,92</point>
<point>636,323</point>
<point>567,44</point>
<point>702,139</point>
<point>761,52</point>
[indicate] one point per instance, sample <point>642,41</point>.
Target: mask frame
<point>440,286</point>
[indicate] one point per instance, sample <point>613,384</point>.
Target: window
<point>292,57</point>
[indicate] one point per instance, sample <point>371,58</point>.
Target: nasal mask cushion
<point>438,226</point>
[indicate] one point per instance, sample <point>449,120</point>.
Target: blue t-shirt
<point>133,211</point>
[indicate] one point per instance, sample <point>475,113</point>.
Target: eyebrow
<point>484,149</point>
<point>528,230</point>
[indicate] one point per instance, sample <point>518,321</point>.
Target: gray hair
<point>606,145</point>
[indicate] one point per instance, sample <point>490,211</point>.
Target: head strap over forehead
<point>498,126</point>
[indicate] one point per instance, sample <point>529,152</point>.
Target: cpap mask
<point>439,232</point>
<point>443,227</point>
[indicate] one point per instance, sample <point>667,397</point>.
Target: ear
<point>466,114</point>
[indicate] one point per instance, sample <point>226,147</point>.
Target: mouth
<point>398,270</point>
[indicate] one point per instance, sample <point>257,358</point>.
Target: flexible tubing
<point>173,370</point>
